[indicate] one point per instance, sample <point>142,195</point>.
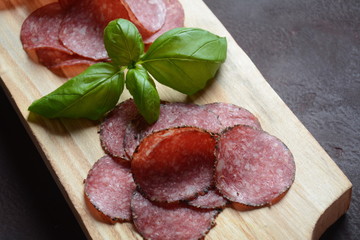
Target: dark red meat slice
<point>108,10</point>
<point>65,4</point>
<point>174,18</point>
<point>230,115</point>
<point>171,115</point>
<point>253,168</point>
<point>173,222</point>
<point>112,129</point>
<point>147,15</point>
<point>71,67</point>
<point>40,31</point>
<point>109,187</point>
<point>174,164</point>
<point>82,33</point>
<point>210,200</point>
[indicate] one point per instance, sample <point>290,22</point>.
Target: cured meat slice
<point>82,33</point>
<point>174,164</point>
<point>173,222</point>
<point>171,115</point>
<point>40,31</point>
<point>108,10</point>
<point>211,200</point>
<point>147,15</point>
<point>65,4</point>
<point>230,115</point>
<point>71,67</point>
<point>174,18</point>
<point>109,187</point>
<point>253,168</point>
<point>112,129</point>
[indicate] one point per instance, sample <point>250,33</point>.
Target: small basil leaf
<point>185,58</point>
<point>143,90</point>
<point>123,42</point>
<point>88,95</point>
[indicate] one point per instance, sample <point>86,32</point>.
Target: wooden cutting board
<point>320,194</point>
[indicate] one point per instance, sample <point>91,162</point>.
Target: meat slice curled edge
<point>176,221</point>
<point>253,168</point>
<point>174,164</point>
<point>108,190</point>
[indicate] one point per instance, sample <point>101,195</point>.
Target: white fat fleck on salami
<point>147,15</point>
<point>112,129</point>
<point>174,164</point>
<point>253,167</point>
<point>211,200</point>
<point>82,33</point>
<point>171,115</point>
<point>160,222</point>
<point>174,18</point>
<point>41,28</point>
<point>109,187</point>
<point>230,115</point>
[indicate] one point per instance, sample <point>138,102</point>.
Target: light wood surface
<point>320,194</point>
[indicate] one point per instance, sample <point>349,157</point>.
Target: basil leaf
<point>88,95</point>
<point>143,90</point>
<point>123,42</point>
<point>185,58</point>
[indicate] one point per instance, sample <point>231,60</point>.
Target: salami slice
<point>173,222</point>
<point>174,164</point>
<point>71,67</point>
<point>253,167</point>
<point>147,15</point>
<point>108,10</point>
<point>82,33</point>
<point>112,129</point>
<point>174,18</point>
<point>171,115</point>
<point>40,31</point>
<point>211,200</point>
<point>65,4</point>
<point>109,187</point>
<point>230,115</point>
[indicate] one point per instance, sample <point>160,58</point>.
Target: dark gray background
<point>309,52</point>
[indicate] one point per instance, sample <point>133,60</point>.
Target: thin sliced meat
<point>171,115</point>
<point>211,200</point>
<point>253,168</point>
<point>66,4</point>
<point>108,10</point>
<point>71,67</point>
<point>173,222</point>
<point>174,19</point>
<point>40,31</point>
<point>174,164</point>
<point>112,129</point>
<point>109,187</point>
<point>147,15</point>
<point>82,33</point>
<point>230,115</point>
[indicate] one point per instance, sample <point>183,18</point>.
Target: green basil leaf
<point>185,58</point>
<point>123,42</point>
<point>143,90</point>
<point>88,95</point>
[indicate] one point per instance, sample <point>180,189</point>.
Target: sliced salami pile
<point>185,168</point>
<point>67,36</point>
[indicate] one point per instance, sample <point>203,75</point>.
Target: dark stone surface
<point>309,52</point>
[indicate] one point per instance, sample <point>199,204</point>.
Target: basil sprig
<point>183,59</point>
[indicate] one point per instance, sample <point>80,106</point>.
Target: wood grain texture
<point>320,194</point>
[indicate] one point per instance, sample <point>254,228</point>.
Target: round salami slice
<point>173,222</point>
<point>82,33</point>
<point>230,115</point>
<point>211,200</point>
<point>108,10</point>
<point>40,31</point>
<point>109,187</point>
<point>147,15</point>
<point>253,168</point>
<point>174,18</point>
<point>112,129</point>
<point>171,115</point>
<point>71,67</point>
<point>174,164</point>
